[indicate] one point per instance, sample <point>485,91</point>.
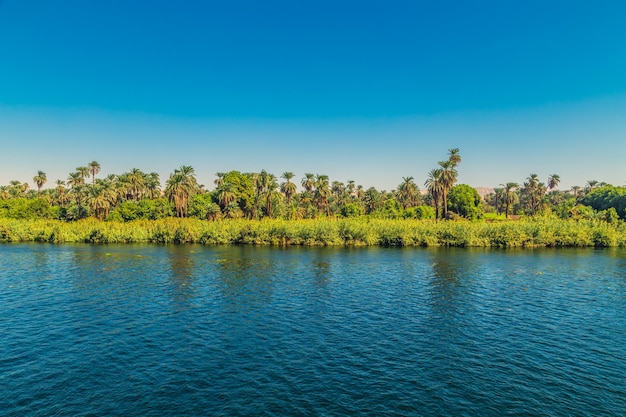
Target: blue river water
<point>127,330</point>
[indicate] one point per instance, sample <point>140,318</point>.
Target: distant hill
<point>483,191</point>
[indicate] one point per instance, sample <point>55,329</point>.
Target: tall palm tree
<point>219,180</point>
<point>84,172</point>
<point>258,185</point>
<point>575,191</point>
<point>510,195</point>
<point>434,185</point>
<point>454,157</point>
<point>532,189</point>
<point>308,182</point>
<point>591,185</point>
<point>359,193</point>
<point>59,190</point>
<point>40,179</point>
<point>322,192</point>
<point>15,188</point>
<point>74,179</point>
<point>553,181</point>
<point>152,185</point>
<point>136,180</point>
<point>288,188</point>
<point>408,192</point>
<point>100,198</point>
<point>270,187</point>
<point>498,196</point>
<point>181,185</point>
<point>373,200</point>
<point>351,186</point>
<point>94,168</point>
<point>448,179</point>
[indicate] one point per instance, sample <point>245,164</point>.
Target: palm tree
<point>408,192</point>
<point>84,172</point>
<point>98,198</point>
<point>258,185</point>
<point>270,187</point>
<point>136,181</point>
<point>181,185</point>
<point>373,200</point>
<point>448,178</point>
<point>553,181</point>
<point>454,157</point>
<point>74,179</point>
<point>219,180</point>
<point>435,187</point>
<point>322,192</point>
<point>308,182</point>
<point>5,192</point>
<point>288,188</point>
<point>359,193</point>
<point>510,196</point>
<point>226,195</point>
<point>213,211</point>
<point>15,188</point>
<point>295,211</point>
<point>78,191</point>
<point>233,211</point>
<point>59,191</point>
<point>152,185</point>
<point>498,196</point>
<point>40,179</point>
<point>591,185</point>
<point>94,168</point>
<point>532,190</point>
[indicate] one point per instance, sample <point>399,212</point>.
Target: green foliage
<point>609,215</point>
<point>390,209</point>
<point>607,197</point>
<point>126,211</point>
<point>420,213</point>
<point>581,212</point>
<point>23,208</point>
<point>199,205</point>
<point>243,189</point>
<point>465,201</point>
<point>145,209</point>
<point>352,210</point>
<point>155,209</point>
<point>537,232</point>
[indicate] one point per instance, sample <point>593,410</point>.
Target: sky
<point>370,91</point>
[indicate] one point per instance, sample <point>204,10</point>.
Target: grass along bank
<point>323,232</point>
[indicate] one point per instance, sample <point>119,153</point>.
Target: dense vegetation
<point>258,208</point>
<point>324,231</point>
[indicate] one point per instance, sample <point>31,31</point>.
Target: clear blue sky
<point>363,90</point>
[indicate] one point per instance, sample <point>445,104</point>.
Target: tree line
<point>138,195</point>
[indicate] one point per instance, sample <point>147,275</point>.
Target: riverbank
<point>322,232</point>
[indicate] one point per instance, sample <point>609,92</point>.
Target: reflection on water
<point>245,278</point>
<point>450,283</point>
<point>182,274</point>
<point>320,267</point>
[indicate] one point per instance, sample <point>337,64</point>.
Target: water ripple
<point>150,330</point>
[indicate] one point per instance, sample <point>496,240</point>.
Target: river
<point>139,330</point>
